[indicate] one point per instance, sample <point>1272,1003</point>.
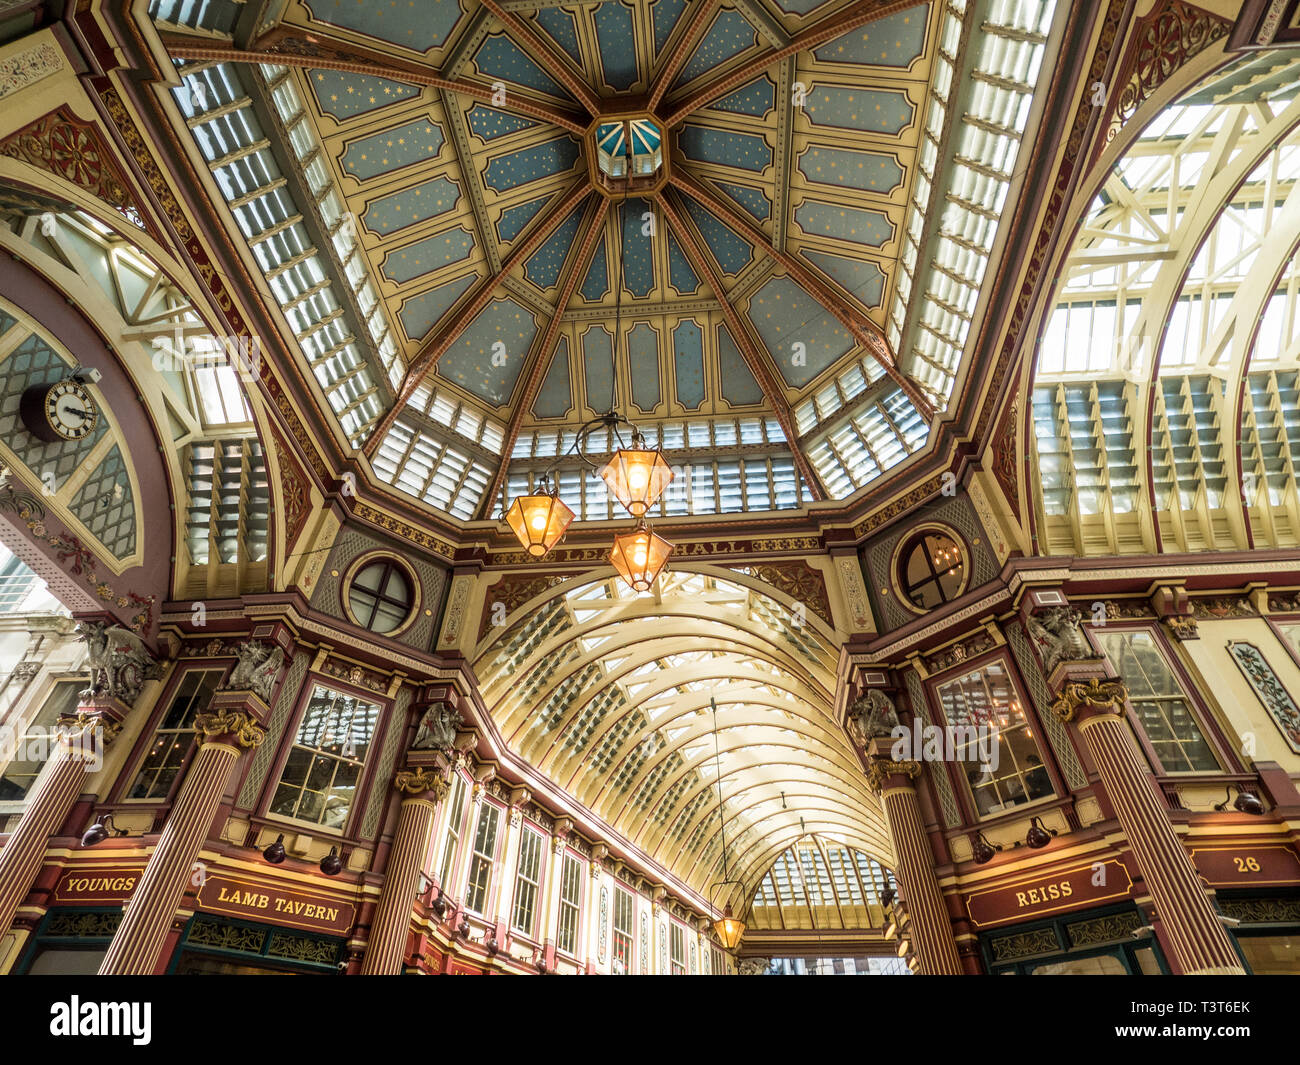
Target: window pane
<point>1159,704</point>
<point>320,776</point>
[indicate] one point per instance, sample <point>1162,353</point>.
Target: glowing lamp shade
<point>637,478</point>
<point>729,929</point>
<point>538,521</point>
<point>639,556</point>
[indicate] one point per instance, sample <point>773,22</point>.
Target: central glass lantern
<point>637,476</point>
<point>639,556</point>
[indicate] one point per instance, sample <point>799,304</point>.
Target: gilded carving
<point>800,581</point>
<point>1107,695</point>
<point>1024,944</point>
<point>1173,33</point>
<point>293,491</point>
<point>881,769</point>
<point>236,725</point>
<point>73,150</point>
<point>1182,626</point>
<point>421,780</point>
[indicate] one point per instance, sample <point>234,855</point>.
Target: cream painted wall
<point>1227,688</point>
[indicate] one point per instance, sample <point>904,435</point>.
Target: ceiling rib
<point>532,381</point>
<point>375,65</point>
<point>757,364</point>
<point>556,65</point>
<point>703,15</point>
<point>434,348</point>
<point>827,29</point>
<point>864,331</point>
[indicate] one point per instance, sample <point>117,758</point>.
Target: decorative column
<point>231,726</point>
<point>422,788</point>
<point>81,739</point>
<point>1197,940</point>
<point>934,946</point>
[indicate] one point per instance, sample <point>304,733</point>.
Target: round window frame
<point>361,562</point>
<point>901,552</point>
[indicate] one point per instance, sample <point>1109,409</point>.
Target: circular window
<point>380,596</point>
<point>931,570</point>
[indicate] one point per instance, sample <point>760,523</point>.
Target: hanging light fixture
<point>539,520</point>
<point>636,476</point>
<point>729,929</point>
<point>640,556</point>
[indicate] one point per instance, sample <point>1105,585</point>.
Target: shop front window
<point>1160,705</point>
<point>320,778</point>
<point>175,734</point>
<point>993,740</point>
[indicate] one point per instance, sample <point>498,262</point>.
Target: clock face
<point>70,410</point>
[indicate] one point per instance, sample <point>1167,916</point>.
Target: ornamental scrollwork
<point>235,724</point>
<point>421,780</point>
<point>881,769</point>
<point>1106,695</point>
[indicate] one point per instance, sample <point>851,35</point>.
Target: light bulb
<point>639,556</point>
<point>538,521</point>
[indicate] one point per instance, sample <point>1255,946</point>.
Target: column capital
<point>1095,696</point>
<point>886,772</point>
<point>234,717</point>
<point>422,782</point>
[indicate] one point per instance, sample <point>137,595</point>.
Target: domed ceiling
<point>478,241</point>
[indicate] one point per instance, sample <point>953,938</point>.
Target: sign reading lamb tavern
<point>1052,892</point>
<point>259,900</point>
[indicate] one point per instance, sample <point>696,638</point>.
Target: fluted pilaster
<point>931,929</point>
<point>226,732</point>
<point>81,740</point>
<point>423,788</point>
<point>1197,939</point>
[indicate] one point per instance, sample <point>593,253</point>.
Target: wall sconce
<point>331,864</point>
<point>101,830</point>
<point>984,850</point>
<point>439,903</point>
<point>275,852</point>
<point>462,926</point>
<point>493,947</point>
<point>1245,802</point>
<point>1038,836</point>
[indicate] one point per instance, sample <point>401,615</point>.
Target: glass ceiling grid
<point>1011,41</point>
<point>219,114</point>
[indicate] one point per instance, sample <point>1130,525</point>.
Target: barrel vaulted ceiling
<point>416,181</point>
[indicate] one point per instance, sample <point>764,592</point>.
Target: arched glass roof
<point>1167,375</point>
<point>820,883</point>
<point>593,687</point>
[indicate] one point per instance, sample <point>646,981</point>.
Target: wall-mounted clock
<point>59,410</point>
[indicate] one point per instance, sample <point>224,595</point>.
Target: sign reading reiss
<point>259,900</point>
<point>1067,890</point>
